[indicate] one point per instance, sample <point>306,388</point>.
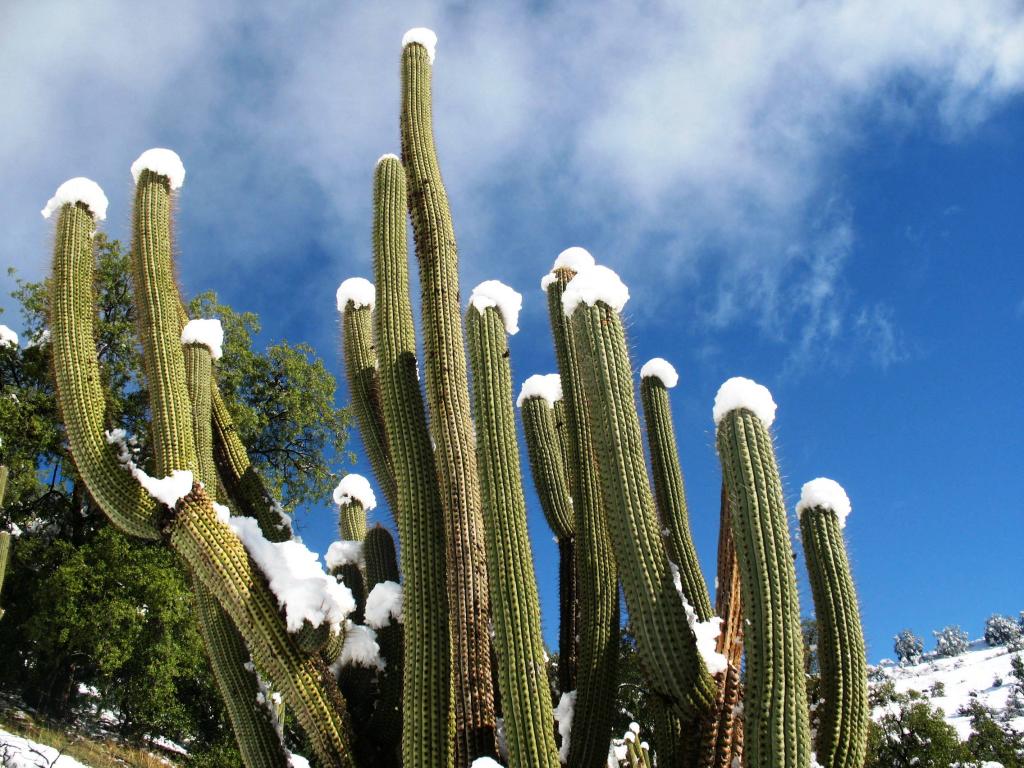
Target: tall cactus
<point>843,715</point>
<point>5,536</point>
<point>448,398</point>
<point>525,698</point>
<point>775,713</point>
<point>665,640</point>
<point>428,724</point>
<point>596,574</point>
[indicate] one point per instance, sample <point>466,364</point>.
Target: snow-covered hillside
<point>19,752</point>
<point>951,683</point>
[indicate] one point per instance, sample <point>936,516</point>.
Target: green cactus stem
<point>843,715</point>
<point>525,693</point>
<point>665,641</point>
<point>427,727</point>
<point>656,377</point>
<point>551,481</point>
<point>364,389</point>
<point>5,537</point>
<point>212,552</point>
<point>597,585</point>
<point>775,703</point>
<point>448,399</point>
<point>386,724</point>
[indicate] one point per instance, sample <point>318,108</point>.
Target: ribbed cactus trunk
<point>5,537</point>
<point>525,692</point>
<point>450,420</point>
<point>775,703</point>
<point>547,467</point>
<point>843,714</point>
<point>665,641</point>
<point>386,724</point>
<point>596,574</point>
<point>427,707</point>
<point>255,728</point>
<point>213,554</point>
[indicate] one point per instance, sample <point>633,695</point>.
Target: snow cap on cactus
<point>163,162</point>
<point>425,37</point>
<point>383,604</point>
<point>508,302</point>
<point>8,338</point>
<point>575,258</point>
<point>563,716</point>
<point>360,648</point>
<point>388,156</point>
<point>661,369</point>
<point>357,290</point>
<point>78,190</point>
<point>355,487</point>
<point>486,762</point>
<point>208,333</point>
<point>342,553</point>
<point>545,385</point>
<point>739,392</point>
<point>593,285</point>
<point>827,494</point>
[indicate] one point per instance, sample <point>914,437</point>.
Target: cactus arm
<point>5,537</point>
<point>364,388</point>
<point>670,493</point>
<point>352,521</point>
<point>427,726</point>
<point>665,641</point>
<point>543,447</point>
<point>255,730</point>
<point>564,440</point>
<point>77,375</point>
<point>525,693</point>
<point>382,565</point>
<point>597,585</point>
<point>451,425</point>
<point>843,715</point>
<point>775,703</point>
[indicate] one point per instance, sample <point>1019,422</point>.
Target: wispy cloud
<point>693,145</point>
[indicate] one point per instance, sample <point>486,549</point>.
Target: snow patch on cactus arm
<point>388,156</point>
<point>167,490</point>
<point>547,386</point>
<point>508,302</point>
<point>163,162</point>
<point>425,37</point>
<point>563,716</point>
<point>359,649</point>
<point>575,259</point>
<point>296,578</point>
<point>78,190</point>
<point>739,392</point>
<point>342,553</point>
<point>355,487</point>
<point>486,762</point>
<point>208,333</point>
<point>705,633</point>
<point>593,285</point>
<point>661,369</point>
<point>357,290</point>
<point>826,494</point>
<point>8,338</point>
<point>383,604</point>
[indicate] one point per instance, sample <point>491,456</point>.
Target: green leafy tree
<point>993,738</point>
<point>911,734</point>
<point>87,606</point>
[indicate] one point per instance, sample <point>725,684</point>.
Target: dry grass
<point>94,752</point>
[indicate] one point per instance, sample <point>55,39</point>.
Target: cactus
<point>541,403</point>
<point>525,698</point>
<point>448,398</point>
<point>843,716</point>
<point>664,638</point>
<point>5,536</point>
<point>775,714</point>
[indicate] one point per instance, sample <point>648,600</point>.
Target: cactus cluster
<point>414,665</point>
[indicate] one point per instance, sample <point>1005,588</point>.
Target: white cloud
<point>688,142</point>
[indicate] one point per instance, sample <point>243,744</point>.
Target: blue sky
<point>822,196</point>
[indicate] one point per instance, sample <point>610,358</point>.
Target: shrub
<point>909,647</point>
<point>950,641</point>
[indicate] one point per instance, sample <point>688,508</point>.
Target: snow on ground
<point>18,752</point>
<point>978,670</point>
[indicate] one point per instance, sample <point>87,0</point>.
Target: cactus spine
<point>525,694</point>
<point>775,713</point>
<point>450,421</point>
<point>427,724</point>
<point>843,716</point>
<point>664,639</point>
<point>596,574</point>
<point>547,466</point>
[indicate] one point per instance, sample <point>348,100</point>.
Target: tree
<point>1003,630</point>
<point>911,734</point>
<point>950,641</point>
<point>89,606</point>
<point>908,647</point>
<point>993,738</point>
